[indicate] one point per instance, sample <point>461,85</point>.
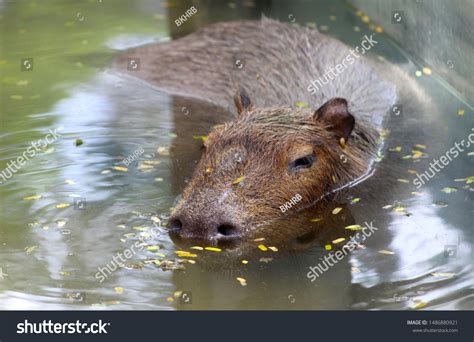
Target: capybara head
<point>267,163</point>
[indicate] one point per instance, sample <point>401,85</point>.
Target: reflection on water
<point>93,206</point>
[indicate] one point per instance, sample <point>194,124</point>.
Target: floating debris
<point>418,73</point>
<point>69,181</point>
<point>163,151</point>
<point>262,247</point>
<point>355,200</point>
<point>199,248</point>
<point>338,240</point>
<point>426,71</point>
<point>447,275</point>
<point>395,149</point>
<point>104,172</point>
<point>301,104</point>
<point>184,254</point>
<point>61,223</point>
<point>336,210</point>
<point>30,250</point>
<point>259,239</point>
<point>119,290</point>
<point>355,269</point>
<point>387,252</point>
<point>120,168</point>
<point>266,260</point>
<point>245,262</point>
<point>401,180</point>
<point>62,205</point>
<point>317,219</point>
<point>153,248</point>
<point>79,142</point>
<point>420,305</point>
<point>213,249</point>
<point>328,247</point>
<point>203,138</point>
<point>273,248</point>
<point>461,112</point>
<point>242,281</point>
<point>354,227</point>
<point>30,198</point>
<point>449,190</point>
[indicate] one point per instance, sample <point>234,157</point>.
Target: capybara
<point>290,145</point>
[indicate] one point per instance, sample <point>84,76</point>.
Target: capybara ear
<point>335,114</point>
<point>242,100</point>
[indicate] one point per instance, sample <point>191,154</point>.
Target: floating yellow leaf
<point>449,275</point>
<point>328,247</point>
<point>273,248</point>
<point>259,239</point>
<point>34,197</point>
<point>355,269</point>
<point>262,247</point>
<point>242,281</point>
<point>355,200</point>
<point>395,149</point>
<point>238,180</point>
<point>163,151</point>
<point>336,210</point>
<point>426,71</point>
<point>213,249</point>
<point>120,168</point>
<point>403,180</point>
<point>420,305</point>
<point>153,248</point>
<point>317,219</point>
<point>62,205</point>
<point>342,142</point>
<point>184,254</point>
<point>199,248</point>
<point>461,112</point>
<point>30,250</point>
<point>354,227</point>
<point>384,251</point>
<point>301,104</point>
<point>69,181</point>
<point>119,290</point>
<point>449,190</point>
<point>200,137</point>
<point>245,262</point>
<point>338,240</point>
<point>420,146</point>
<point>152,162</point>
<point>65,274</point>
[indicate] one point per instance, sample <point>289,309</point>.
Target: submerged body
<point>286,141</point>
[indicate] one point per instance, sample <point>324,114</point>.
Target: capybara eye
<point>303,163</point>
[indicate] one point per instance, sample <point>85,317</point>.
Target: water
<point>421,255</point>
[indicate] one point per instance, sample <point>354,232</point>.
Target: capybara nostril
<point>228,230</point>
<point>175,225</point>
